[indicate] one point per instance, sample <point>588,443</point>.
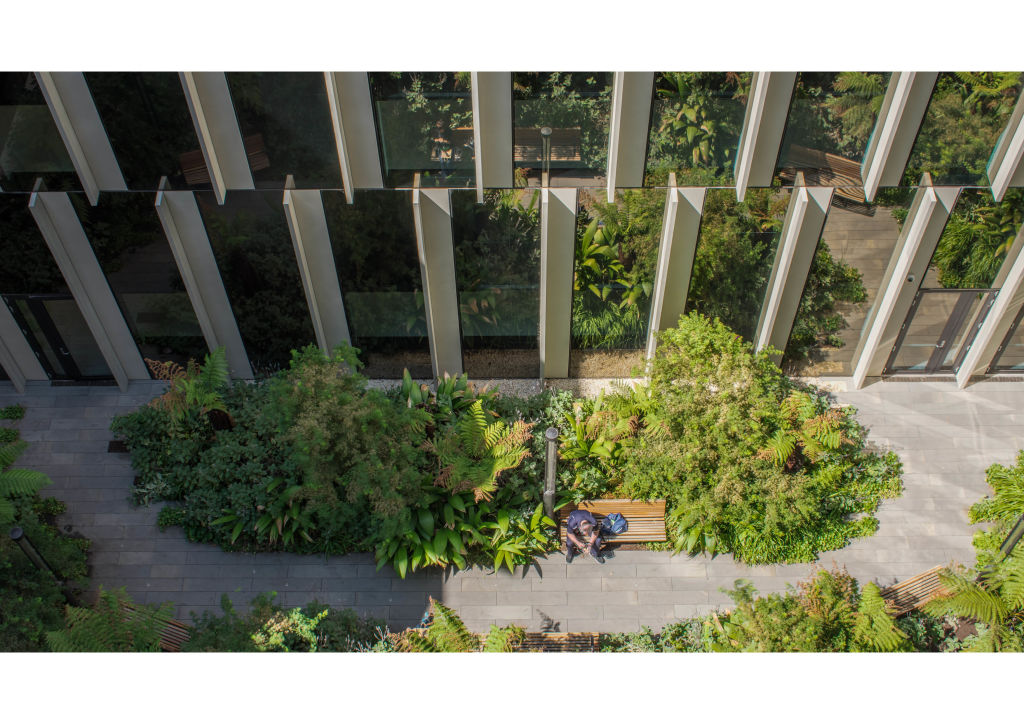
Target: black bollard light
<point>19,537</point>
<point>550,470</point>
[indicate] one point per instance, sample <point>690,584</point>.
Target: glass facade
<point>35,292</point>
<point>147,120</point>
<point>734,257</point>
<point>831,117</point>
<point>1012,356</point>
<point>616,259</point>
<point>383,301</point>
<point>125,233</point>
<point>256,259</point>
<point>497,274</point>
<point>576,107</point>
<point>424,125</point>
<point>965,117</point>
<point>696,120</point>
<point>845,279</point>
<point>285,124</point>
<point>30,144</point>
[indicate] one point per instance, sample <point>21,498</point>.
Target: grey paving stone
<point>355,584</point>
<point>263,585</point>
<point>534,598</point>
<point>561,613</point>
<point>217,584</point>
<point>603,625</point>
<point>586,569</point>
<point>389,598</point>
<point>673,597</point>
<point>565,584</point>
<point>503,611</point>
<point>473,598</point>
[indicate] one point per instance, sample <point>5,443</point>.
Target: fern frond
<point>11,452</point>
<point>17,481</point>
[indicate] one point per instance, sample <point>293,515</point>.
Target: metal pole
<point>19,537</point>
<point>550,469</point>
<point>545,164</point>
<point>1013,538</point>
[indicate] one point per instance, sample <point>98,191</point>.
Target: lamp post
<point>545,165</point>
<point>19,537</point>
<point>550,469</point>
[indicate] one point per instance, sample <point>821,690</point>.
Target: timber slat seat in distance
<point>646,519</point>
<point>174,634</point>
<point>915,592</point>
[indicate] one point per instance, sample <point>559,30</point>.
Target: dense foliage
<point>1002,509</point>
<point>269,627</point>
<point>829,612</point>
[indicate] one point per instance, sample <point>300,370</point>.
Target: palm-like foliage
<point>448,634</point>
<point>805,431</point>
<point>472,454</point>
<point>193,388</point>
<point>1007,503</point>
<point>857,103</point>
<point>995,600</point>
<point>976,239</point>
<point>989,92</point>
<point>15,481</point>
<point>875,628</point>
<point>597,262</point>
<point>113,624</point>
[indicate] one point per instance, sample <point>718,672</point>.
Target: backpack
<point>614,524</point>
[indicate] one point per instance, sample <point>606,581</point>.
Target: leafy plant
<point>110,626</point>
<point>518,539</point>
<point>12,412</point>
<point>807,432</point>
<point>447,633</point>
<point>291,631</point>
<point>16,482</point>
<point>195,388</point>
<point>1003,508</point>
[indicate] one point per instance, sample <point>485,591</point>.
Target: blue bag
<point>614,524</point>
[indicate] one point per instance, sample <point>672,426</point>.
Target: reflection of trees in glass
<point>254,253</point>
<point>374,244</point>
<point>147,121</point>
<point>696,124</point>
<point>616,261</point>
<point>966,115</point>
<point>128,240</point>
<point>30,145</point>
<point>733,263</point>
<point>734,256</point>
<point>567,101</point>
<point>28,266</point>
<point>425,124</point>
<point>832,113</point>
<point>497,267</point>
<point>289,111</point>
<point>976,238</point>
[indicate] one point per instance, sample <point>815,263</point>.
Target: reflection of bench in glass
<point>193,165</point>
<point>529,147</point>
<point>824,169</point>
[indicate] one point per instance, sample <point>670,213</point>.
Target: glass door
<point>940,327</point>
<point>58,334</point>
<point>1010,355</point>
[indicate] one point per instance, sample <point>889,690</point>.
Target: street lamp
<point>545,140</point>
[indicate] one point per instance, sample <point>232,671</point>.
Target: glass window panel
<point>938,313</point>
<point>576,107</point>
<point>845,279</point>
<point>34,290</point>
<point>830,120</point>
<point>696,120</point>
<point>1012,357</point>
<point>425,124</point>
<point>128,239</point>
<point>254,253</point>
<point>30,144</point>
<point>735,254</point>
<point>374,243</point>
<point>497,275</point>
<point>966,115</point>
<point>285,123</point>
<point>615,264</point>
<point>974,243</point>
<point>150,129</point>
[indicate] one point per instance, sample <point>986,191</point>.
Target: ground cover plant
<point>311,460</point>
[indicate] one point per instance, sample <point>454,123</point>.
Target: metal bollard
<point>19,537</point>
<point>550,470</point>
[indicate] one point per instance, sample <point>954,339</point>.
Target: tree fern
<point>16,482</point>
<point>875,628</point>
<point>983,602</point>
<point>112,624</point>
<point>504,640</point>
<point>473,454</point>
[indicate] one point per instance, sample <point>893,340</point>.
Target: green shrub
<point>1002,509</point>
<point>12,412</point>
<point>8,435</point>
<point>331,629</point>
<point>105,628</point>
<point>712,414</point>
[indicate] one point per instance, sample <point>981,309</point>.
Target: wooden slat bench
<point>174,634</point>
<point>646,519</point>
<point>825,169</point>
<point>193,164</point>
<point>915,592</point>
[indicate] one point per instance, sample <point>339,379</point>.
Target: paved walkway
<point>946,438</point>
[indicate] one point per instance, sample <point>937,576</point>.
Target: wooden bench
<point>174,634</point>
<point>825,169</point>
<point>646,520</point>
<point>193,164</point>
<point>566,146</point>
<point>913,593</point>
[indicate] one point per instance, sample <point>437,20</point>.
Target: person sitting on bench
<point>580,526</point>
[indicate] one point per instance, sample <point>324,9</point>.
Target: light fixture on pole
<point>545,169</point>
